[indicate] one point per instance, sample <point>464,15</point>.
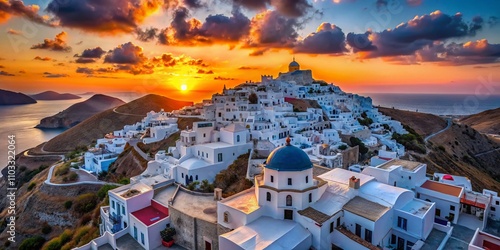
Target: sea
<point>20,120</point>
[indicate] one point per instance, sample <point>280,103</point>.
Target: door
<point>208,245</point>
<point>288,214</point>
<point>401,244</point>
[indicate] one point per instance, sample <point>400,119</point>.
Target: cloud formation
<point>90,55</point>
<point>51,75</point>
<point>272,30</point>
<point>39,58</point>
<point>4,73</point>
<point>58,44</point>
<point>328,39</point>
<point>103,16</point>
<point>17,8</point>
<point>14,32</point>
<point>289,8</point>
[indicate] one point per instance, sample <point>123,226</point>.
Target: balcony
<point>112,223</point>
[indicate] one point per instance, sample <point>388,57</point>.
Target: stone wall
<point>350,156</point>
<point>193,232</point>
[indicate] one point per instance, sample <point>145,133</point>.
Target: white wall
<point>443,205</point>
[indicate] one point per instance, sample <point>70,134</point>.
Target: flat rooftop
<point>442,188</point>
<point>198,206</point>
<point>245,201</point>
<point>131,190</point>
<point>417,207</point>
<point>149,215</point>
<point>216,145</point>
<point>365,208</point>
<point>408,165</point>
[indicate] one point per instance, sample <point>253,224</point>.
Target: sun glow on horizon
<point>184,87</point>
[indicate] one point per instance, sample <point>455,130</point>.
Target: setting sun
<point>184,87</point>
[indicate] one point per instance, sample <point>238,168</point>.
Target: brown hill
<point>487,122</point>
<point>424,124</point>
<point>52,96</point>
<point>78,112</point>
<point>457,150</point>
<point>107,121</point>
<point>13,98</point>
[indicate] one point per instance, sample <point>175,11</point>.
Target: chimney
<point>217,194</point>
<point>354,182</point>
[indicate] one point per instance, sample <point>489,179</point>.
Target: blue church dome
<point>288,158</point>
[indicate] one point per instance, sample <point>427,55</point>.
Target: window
<point>338,221</point>
<point>226,217</point>
<point>288,200</point>
<point>438,212</point>
<point>358,230</point>
<point>409,244</point>
<point>368,235</point>
<point>493,209</point>
<point>402,222</point>
<point>497,202</point>
<point>452,207</point>
<point>393,239</point>
<point>409,177</point>
<point>272,178</point>
<point>204,135</point>
<point>113,204</point>
<point>307,178</point>
<point>198,152</point>
<point>310,197</point>
<point>268,196</point>
<point>196,177</point>
<point>418,195</point>
<point>331,226</point>
<point>123,210</point>
<point>182,175</point>
<point>289,181</point>
<point>142,238</point>
<point>237,138</point>
<point>219,157</point>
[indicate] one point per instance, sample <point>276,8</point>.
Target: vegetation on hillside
<point>233,179</point>
<point>411,141</point>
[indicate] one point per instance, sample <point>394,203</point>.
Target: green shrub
<point>124,181</point>
<point>35,242</point>
<point>31,186</point>
<point>53,244</point>
<point>62,170</point>
<point>193,185</point>
<point>206,186</point>
<point>85,203</point>
<point>103,191</point>
<point>68,204</point>
<point>46,228</point>
<point>342,147</point>
<point>73,176</point>
<point>356,141</point>
<point>65,236</point>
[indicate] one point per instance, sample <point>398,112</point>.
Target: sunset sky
<point>157,46</point>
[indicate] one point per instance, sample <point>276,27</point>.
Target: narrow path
<point>133,143</point>
<point>487,152</point>
<point>49,177</point>
<point>120,113</point>
<point>440,131</point>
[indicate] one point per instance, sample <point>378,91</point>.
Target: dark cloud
<point>147,34</point>
<point>473,52</point>
<point>58,44</point>
<point>85,60</point>
<point>476,25</point>
<point>50,75</point>
<point>104,16</point>
<point>202,71</point>
<point>3,73</point>
<point>42,58</point>
<point>2,67</point>
<point>290,8</point>
<point>127,53</point>
<point>216,28</point>
<point>360,42</point>
<point>220,78</point>
<point>84,70</point>
<point>96,52</point>
<point>272,30</point>
<point>17,8</point>
<point>22,72</point>
<point>413,35</point>
<point>328,39</point>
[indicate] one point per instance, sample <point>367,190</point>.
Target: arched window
<point>288,200</point>
<point>226,217</point>
<point>268,196</point>
<point>310,197</point>
<point>237,138</point>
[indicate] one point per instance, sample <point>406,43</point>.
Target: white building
<point>105,152</point>
<point>288,208</point>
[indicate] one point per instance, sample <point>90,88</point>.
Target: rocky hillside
<point>78,112</point>
<point>13,98</point>
<point>459,150</point>
<point>423,123</point>
<point>107,121</point>
<point>52,96</point>
<point>487,122</point>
